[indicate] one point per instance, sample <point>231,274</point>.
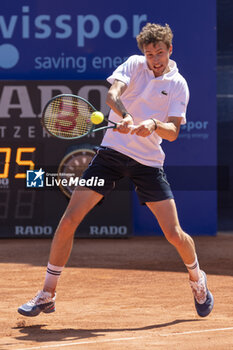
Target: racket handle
<point>132,127</point>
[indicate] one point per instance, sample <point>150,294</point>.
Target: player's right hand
<point>124,126</point>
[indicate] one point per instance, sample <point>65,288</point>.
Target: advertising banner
<point>62,46</point>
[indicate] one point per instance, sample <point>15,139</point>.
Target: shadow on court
<point>39,334</point>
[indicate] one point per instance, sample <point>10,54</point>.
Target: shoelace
<point>39,297</point>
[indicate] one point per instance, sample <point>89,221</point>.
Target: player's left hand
<point>144,129</point>
<point>124,126</point>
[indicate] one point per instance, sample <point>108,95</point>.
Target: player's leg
<point>166,214</point>
<point>154,190</point>
<point>81,202</point>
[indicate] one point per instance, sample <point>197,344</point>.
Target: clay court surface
<point>117,294</point>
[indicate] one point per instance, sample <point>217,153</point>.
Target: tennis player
<point>146,91</point>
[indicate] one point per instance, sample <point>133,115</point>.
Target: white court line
<point>193,332</point>
<point>80,343</point>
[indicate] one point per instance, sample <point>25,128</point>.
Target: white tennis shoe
<point>203,298</point>
<point>42,302</point>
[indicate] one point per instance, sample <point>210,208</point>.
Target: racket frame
<point>93,128</point>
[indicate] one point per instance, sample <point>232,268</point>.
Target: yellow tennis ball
<point>97,117</point>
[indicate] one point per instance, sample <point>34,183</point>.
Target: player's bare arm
<point>168,131</point>
<point>113,100</point>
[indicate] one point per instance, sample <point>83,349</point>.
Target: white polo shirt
<point>147,97</point>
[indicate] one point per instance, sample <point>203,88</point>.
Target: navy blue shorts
<point>151,184</point>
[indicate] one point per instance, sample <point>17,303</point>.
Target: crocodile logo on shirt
<point>164,92</point>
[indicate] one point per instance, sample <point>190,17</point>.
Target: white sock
<point>194,269</point>
<point>52,275</point>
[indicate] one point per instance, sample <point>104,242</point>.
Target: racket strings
<point>68,116</point>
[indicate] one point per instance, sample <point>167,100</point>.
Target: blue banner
<point>87,40</point>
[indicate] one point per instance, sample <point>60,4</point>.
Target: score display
<point>4,173</point>
<point>25,145</point>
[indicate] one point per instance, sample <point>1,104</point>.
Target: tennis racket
<point>68,116</point>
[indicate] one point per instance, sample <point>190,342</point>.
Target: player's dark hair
<point>153,33</point>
